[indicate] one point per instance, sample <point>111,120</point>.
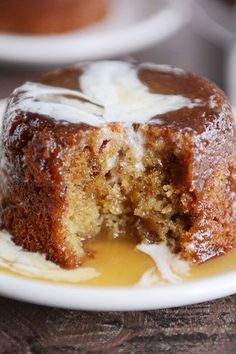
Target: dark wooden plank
<point>203,328</point>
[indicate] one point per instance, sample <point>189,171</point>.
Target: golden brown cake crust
<point>48,17</point>
<point>198,155</point>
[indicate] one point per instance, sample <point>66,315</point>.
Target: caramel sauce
<point>118,261</point>
<point>214,266</point>
<point>121,264</point>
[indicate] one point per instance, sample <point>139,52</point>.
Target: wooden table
<point>25,328</point>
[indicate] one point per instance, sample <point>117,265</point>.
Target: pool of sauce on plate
<point>121,264</point>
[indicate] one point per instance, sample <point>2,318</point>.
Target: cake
<point>48,17</point>
<point>119,147</point>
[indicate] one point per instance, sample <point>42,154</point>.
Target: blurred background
<point>196,35</point>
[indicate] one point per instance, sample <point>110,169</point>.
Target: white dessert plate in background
<point>130,25</point>
<point>96,298</point>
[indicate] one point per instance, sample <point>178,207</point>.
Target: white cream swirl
<point>111,91</point>
<point>172,269</point>
<point>32,264</point>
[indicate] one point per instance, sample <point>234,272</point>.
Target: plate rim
<point>96,298</point>
<point>149,30</point>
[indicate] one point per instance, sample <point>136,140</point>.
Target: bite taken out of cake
<point>119,147</point>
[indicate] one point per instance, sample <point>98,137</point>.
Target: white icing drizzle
<point>32,264</point>
<point>125,98</point>
<point>149,278</point>
<point>171,267</point>
<point>136,143</point>
<point>59,103</point>
<point>2,109</point>
<point>212,102</point>
<point>111,92</point>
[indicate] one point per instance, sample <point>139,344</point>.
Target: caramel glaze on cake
<point>170,178</point>
<point>49,16</point>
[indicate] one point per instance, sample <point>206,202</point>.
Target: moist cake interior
<point>124,187</point>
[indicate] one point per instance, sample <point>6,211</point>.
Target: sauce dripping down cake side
<point>119,147</point>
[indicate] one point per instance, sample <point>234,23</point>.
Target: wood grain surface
<point>204,328</point>
<point>30,329</point>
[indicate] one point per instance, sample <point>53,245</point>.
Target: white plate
<point>116,299</point>
<point>129,26</point>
